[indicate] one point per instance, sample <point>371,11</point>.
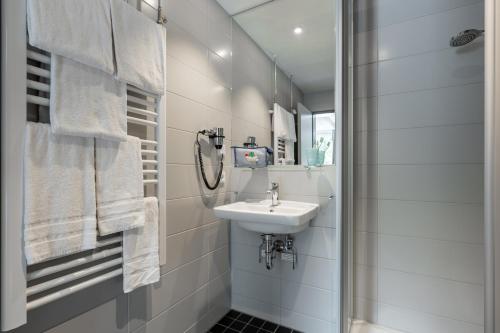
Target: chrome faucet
<point>274,194</point>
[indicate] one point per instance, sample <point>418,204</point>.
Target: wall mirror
<point>288,89</point>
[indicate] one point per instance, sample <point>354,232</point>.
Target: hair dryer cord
<point>202,168</point>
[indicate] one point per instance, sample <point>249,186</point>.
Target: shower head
<point>465,37</point>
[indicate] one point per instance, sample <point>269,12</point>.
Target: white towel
<point>141,262</point>
<point>291,127</point>
<point>284,128</point>
<point>139,48</point>
<point>87,102</point>
<point>280,122</point>
<point>119,185</point>
<point>59,194</point>
<point>77,29</point>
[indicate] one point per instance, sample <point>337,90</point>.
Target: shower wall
<point>419,166</point>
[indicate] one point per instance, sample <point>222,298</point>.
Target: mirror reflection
<point>297,40</point>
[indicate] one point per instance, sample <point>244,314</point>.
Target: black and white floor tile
<point>238,322</point>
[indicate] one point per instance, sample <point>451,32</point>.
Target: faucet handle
<point>274,186</point>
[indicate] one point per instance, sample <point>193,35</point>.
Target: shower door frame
<point>492,168</point>
<point>344,164</point>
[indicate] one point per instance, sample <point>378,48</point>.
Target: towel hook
<point>160,18</point>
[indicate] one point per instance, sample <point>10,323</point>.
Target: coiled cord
<point>202,168</point>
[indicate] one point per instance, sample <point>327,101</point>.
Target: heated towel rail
<point>26,97</point>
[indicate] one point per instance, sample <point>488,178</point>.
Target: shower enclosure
<point>415,218</point>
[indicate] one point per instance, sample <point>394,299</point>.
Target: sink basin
<point>288,217</point>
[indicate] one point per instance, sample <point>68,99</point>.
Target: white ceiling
<point>309,57</point>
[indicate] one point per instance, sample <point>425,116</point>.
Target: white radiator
<point>25,96</point>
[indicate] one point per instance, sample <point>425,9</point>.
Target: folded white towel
<point>79,30</point>
<point>139,48</point>
<point>119,185</point>
<point>87,102</point>
<point>59,194</point>
<point>141,262</point>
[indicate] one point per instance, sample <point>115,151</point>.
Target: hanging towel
<point>59,194</point>
<point>76,29</point>
<point>119,185</point>
<point>87,102</point>
<point>292,137</point>
<point>141,262</point>
<point>280,122</point>
<point>139,48</point>
<point>284,128</point>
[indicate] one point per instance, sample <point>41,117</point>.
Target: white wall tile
<point>437,296</point>
<point>445,106</point>
<point>431,70</point>
<point>177,284</point>
<point>189,245</point>
<point>264,310</point>
<point>180,317</point>
<point>260,287</point>
<point>435,220</point>
<point>219,262</point>
<point>316,241</point>
<point>431,145</point>
<point>394,11</point>
<point>188,213</point>
<point>445,183</point>
<point>416,322</point>
<point>188,115</point>
<point>186,48</point>
<point>190,15</point>
<point>305,323</point>
<point>310,301</point>
<point>449,260</point>
<point>312,271</point>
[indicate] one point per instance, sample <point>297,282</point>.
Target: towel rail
<point>38,71</point>
<point>142,112</point>
<point>149,142</point>
<point>38,100</point>
<point>34,55</point>
<point>38,85</point>
<point>73,289</point>
<point>74,263</point>
<point>38,288</point>
<point>141,101</point>
<point>139,121</point>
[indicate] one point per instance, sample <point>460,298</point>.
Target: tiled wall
<point>303,298</point>
<point>419,154</point>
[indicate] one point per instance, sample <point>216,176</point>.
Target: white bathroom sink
<point>288,217</point>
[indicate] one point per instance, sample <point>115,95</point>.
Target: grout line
<point>381,268</point>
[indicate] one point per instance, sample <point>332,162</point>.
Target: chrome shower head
<point>465,37</point>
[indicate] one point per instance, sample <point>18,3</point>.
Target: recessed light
<point>298,30</point>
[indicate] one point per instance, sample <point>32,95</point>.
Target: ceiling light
<point>298,30</point>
